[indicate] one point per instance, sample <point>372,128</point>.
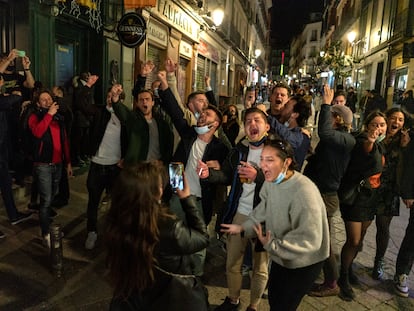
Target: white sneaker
<point>91,240</point>
<point>400,285</point>
<point>46,240</point>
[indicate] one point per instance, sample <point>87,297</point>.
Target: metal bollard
<point>56,249</point>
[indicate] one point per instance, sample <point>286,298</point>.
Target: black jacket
<point>97,131</point>
<point>215,149</point>
<point>228,175</point>
<point>177,241</point>
<point>6,104</point>
<point>332,154</point>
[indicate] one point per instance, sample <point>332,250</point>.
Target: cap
<point>344,112</point>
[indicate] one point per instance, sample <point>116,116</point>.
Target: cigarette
<point>199,172</point>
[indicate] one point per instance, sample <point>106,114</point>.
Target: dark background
<point>289,16</point>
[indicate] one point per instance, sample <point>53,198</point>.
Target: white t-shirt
<point>109,151</point>
<point>246,199</point>
<point>196,153</point>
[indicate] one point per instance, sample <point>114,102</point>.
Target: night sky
<point>289,16</point>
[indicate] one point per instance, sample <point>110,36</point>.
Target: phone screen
<point>176,170</point>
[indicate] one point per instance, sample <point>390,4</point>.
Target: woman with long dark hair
<point>363,176</point>
<point>149,247</point>
<point>389,206</point>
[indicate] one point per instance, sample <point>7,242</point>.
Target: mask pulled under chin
<point>257,143</point>
<point>203,129</point>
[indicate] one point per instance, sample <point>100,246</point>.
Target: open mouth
<point>278,102</point>
<point>254,132</point>
<point>394,127</point>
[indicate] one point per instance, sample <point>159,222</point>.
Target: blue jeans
<point>405,256</point>
<point>6,191</point>
<point>47,178</point>
<point>100,177</point>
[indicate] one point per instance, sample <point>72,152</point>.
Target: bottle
<point>56,250</point>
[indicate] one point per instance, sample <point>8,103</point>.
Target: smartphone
<point>175,170</point>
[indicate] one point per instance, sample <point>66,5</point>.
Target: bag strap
<point>174,274</point>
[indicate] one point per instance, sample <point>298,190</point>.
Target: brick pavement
<point>27,283</point>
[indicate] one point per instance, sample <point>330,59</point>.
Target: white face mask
<point>197,115</point>
<point>156,94</point>
<point>203,129</point>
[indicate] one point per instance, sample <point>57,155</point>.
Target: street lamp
<point>351,37</point>
<point>217,16</point>
<point>257,53</point>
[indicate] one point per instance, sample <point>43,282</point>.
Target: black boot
<point>346,292</point>
<point>353,279</point>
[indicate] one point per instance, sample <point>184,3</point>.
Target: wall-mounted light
<point>217,15</point>
<point>257,52</point>
<point>351,37</point>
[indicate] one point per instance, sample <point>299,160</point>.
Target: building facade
<point>66,37</point>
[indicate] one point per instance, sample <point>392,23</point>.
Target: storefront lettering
<point>177,16</point>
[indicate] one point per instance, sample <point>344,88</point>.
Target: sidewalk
<point>27,283</point>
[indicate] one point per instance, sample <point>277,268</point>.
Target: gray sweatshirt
<point>295,214</point>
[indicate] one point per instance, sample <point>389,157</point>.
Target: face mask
<point>202,129</point>
<point>156,94</point>
<point>197,115</point>
<point>259,142</point>
<point>280,177</point>
<point>286,123</point>
<point>380,138</point>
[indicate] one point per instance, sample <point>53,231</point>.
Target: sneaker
<point>46,240</point>
<point>227,305</point>
<point>34,207</point>
<point>91,240</point>
<point>20,218</point>
<point>2,235</point>
<point>323,290</point>
<point>245,270</point>
<point>265,294</point>
<point>400,285</point>
<point>106,199</point>
<point>378,271</point>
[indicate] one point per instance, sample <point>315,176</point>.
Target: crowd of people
<point>274,196</point>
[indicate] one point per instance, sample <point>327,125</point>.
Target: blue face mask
<point>280,177</point>
<point>156,94</point>
<point>196,115</point>
<point>202,129</point>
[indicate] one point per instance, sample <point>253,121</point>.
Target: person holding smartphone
<point>51,151</point>
<point>149,247</point>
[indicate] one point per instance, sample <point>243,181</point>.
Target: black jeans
<point>405,256</point>
<point>288,286</point>
<point>100,177</point>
